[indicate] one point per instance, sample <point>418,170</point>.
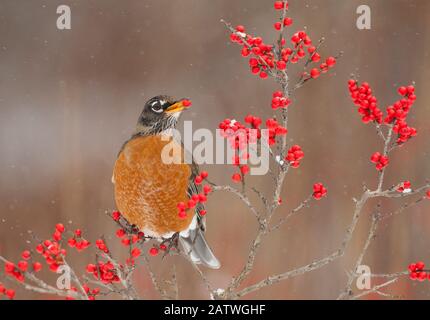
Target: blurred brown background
<point>68,99</point>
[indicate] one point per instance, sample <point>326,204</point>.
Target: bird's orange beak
<point>177,107</point>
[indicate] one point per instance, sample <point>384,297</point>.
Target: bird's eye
<point>157,107</point>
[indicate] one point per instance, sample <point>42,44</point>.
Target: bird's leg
<point>172,242</point>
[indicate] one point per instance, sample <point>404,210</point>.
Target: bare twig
<point>374,224</point>
<point>375,289</point>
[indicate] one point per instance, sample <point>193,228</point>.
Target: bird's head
<point>159,114</point>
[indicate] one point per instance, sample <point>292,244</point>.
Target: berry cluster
<point>405,187</point>
<point>279,100</point>
<point>101,245</point>
<point>103,271</point>
<point>17,271</point>
<point>275,130</point>
<point>295,154</point>
<point>266,59</point>
<point>240,136</point>
<point>398,112</point>
<point>9,293</point>
<point>366,102</point>
<point>91,293</point>
<point>319,191</point>
<point>52,250</point>
<point>77,241</point>
<point>380,160</point>
<point>131,237</point>
<point>128,239</point>
<point>195,198</point>
<point>395,119</point>
<point>417,272</point>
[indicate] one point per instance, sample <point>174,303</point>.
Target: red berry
<point>191,203</point>
<point>236,177</point>
<point>202,198</point>
<point>295,38</point>
<point>181,206</point>
<point>120,233</point>
<point>116,215</point>
<point>186,103</point>
<point>240,28</point>
<point>204,174</point>
<point>91,268</point>
<point>23,265</point>
<point>420,265</point>
<point>244,169</point>
<point>207,189</point>
<point>125,242</point>
<point>315,73</point>
<point>56,236</point>
<point>331,61</point>
<point>10,293</point>
<point>422,276</point>
<point>288,22</point>
<point>39,248</point>
<point>255,70</point>
<point>316,57</point>
<point>278,5</point>
<point>198,180</point>
<point>72,242</point>
<point>281,65</point>
<point>135,252</point>
<point>37,266</point>
<point>153,251</point>
<point>54,267</point>
<point>263,75</point>
<point>26,255</point>
<point>375,157</point>
<point>60,227</point>
<point>245,52</point>
<point>277,26</point>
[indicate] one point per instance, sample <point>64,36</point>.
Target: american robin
<point>148,190</point>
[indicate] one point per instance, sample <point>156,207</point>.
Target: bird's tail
<point>195,245</point>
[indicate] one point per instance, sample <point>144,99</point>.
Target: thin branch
<point>241,196</point>
<point>371,235</point>
<point>292,213</point>
<point>375,289</point>
<point>154,280</point>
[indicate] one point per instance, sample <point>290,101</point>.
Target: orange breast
<point>147,190</point>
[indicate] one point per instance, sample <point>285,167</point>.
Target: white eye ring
<point>160,110</point>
